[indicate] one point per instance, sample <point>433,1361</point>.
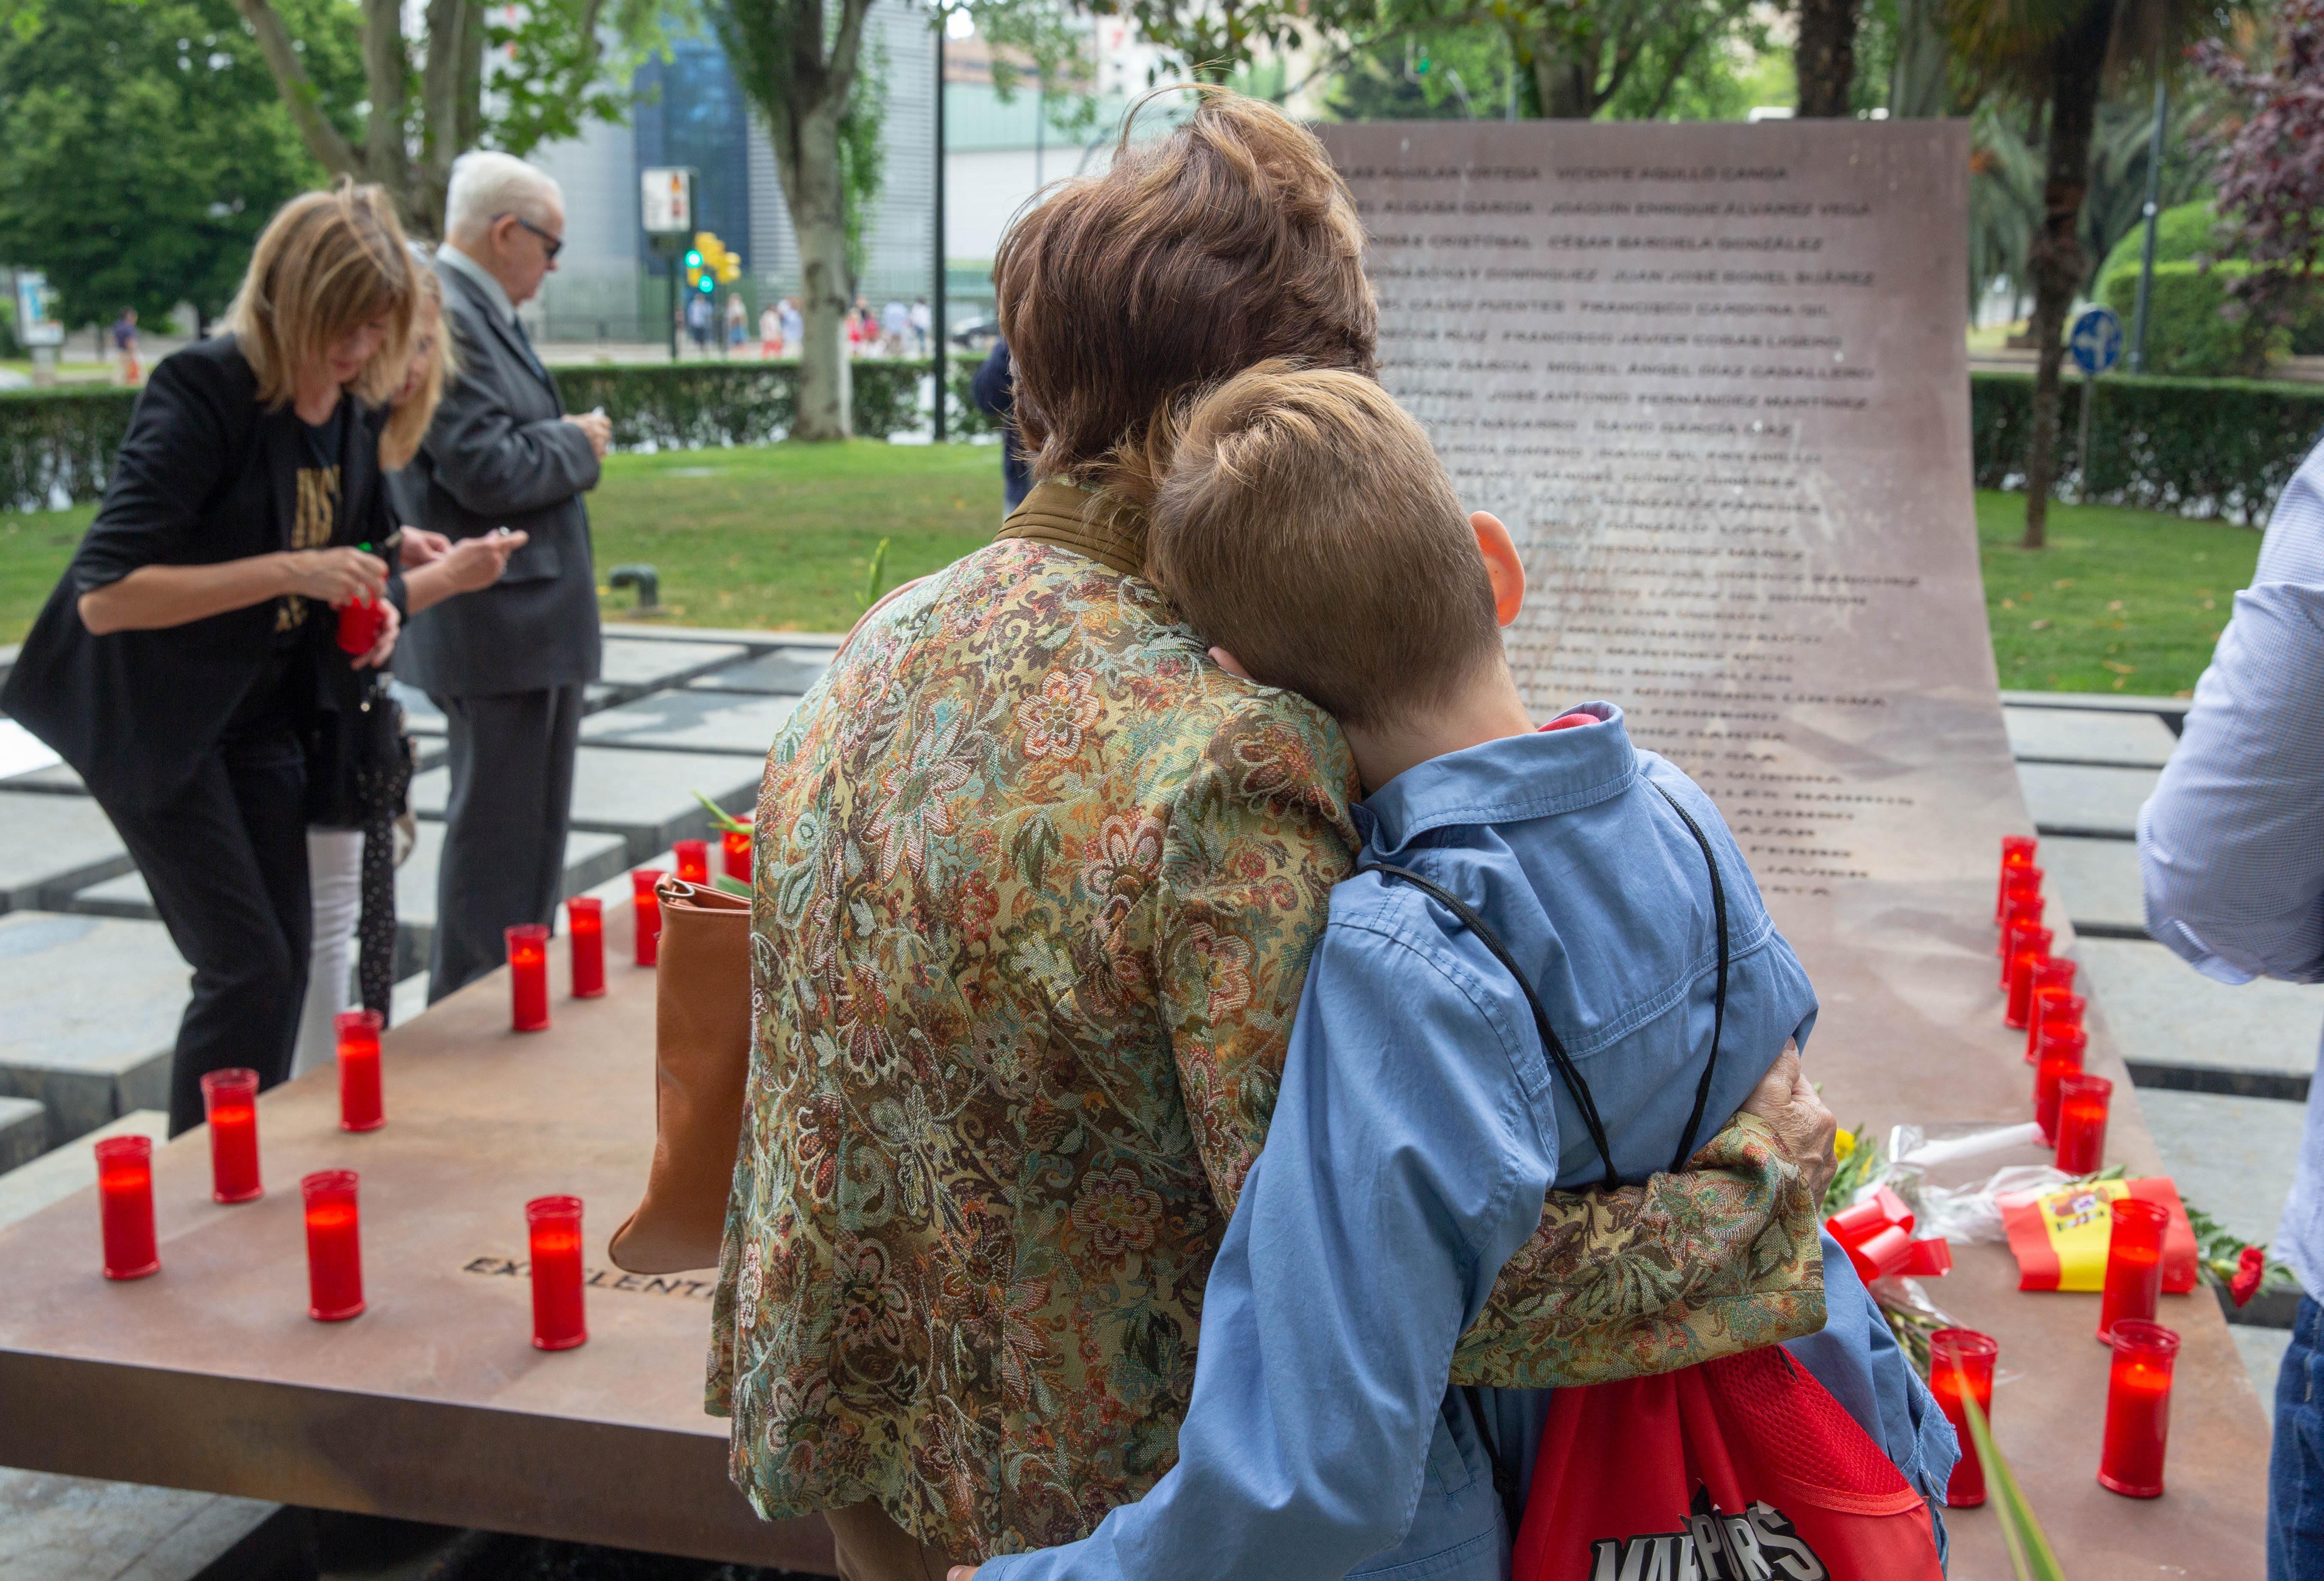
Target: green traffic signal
<point>708,285</point>
<point>693,258</point>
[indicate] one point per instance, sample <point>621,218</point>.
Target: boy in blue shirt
<point>1306,531</point>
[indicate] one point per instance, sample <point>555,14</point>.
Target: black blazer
<point>205,475</point>
<point>499,454</point>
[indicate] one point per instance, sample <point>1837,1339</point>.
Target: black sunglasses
<point>552,245</point>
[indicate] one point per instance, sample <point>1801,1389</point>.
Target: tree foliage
<point>2270,168</point>
<point>146,147</point>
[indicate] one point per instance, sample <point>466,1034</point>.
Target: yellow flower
<point>1843,1144</point>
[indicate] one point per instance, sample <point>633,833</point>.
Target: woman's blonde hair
<point>327,264</point>
<point>407,425</point>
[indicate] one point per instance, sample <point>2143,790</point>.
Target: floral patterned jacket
<point>1036,888</point>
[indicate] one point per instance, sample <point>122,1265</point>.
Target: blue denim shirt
<point>1418,1130</point>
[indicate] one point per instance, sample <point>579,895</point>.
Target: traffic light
<point>710,263</point>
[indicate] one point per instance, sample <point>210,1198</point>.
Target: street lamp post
<point>942,358</point>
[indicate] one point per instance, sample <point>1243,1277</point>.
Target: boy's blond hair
<point>1306,526</point>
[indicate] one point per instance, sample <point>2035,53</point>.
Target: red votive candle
<point>2017,854</point>
<point>124,1202</point>
<point>1960,1367</point>
<point>554,1225</point>
<point>2082,1123</point>
<point>360,624</point>
<point>2134,1275</point>
<point>333,1246</point>
<point>693,859</point>
<point>361,1108</point>
<point>642,881</point>
<point>230,1100</point>
<point>2061,1057</point>
<point>2019,1013</point>
<point>2022,904</point>
<point>2054,1003</point>
<point>736,844</point>
<point>2139,1409</point>
<point>2022,922</point>
<point>585,918</point>
<point>527,956</point>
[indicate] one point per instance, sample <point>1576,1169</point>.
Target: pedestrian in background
<point>699,317</point>
<point>895,320</point>
<point>923,321</point>
<point>2231,851</point>
<point>794,321</point>
<point>508,666</point>
<point>770,332</point>
<point>125,341</point>
<point>184,662</point>
<point>994,390</point>
<point>738,321</point>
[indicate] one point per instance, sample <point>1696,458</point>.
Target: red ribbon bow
<point>1877,1236</point>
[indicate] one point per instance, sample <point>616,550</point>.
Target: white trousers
<point>334,882</point>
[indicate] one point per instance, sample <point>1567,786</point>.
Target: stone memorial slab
<point>691,721</point>
<point>1713,379</point>
<point>432,1405</point>
<point>73,1527</point>
<point>2095,883</point>
<point>51,845</point>
<point>62,1171</point>
<point>2065,799</point>
<point>2061,735</point>
<point>2232,1157</point>
<point>646,797</point>
<point>2164,1012</point>
<point>93,1005</point>
<point>633,665</point>
<point>785,673</point>
<point>24,1132</point>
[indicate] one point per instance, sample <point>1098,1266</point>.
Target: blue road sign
<point>2095,341</point>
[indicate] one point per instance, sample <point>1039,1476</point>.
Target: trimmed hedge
<point>61,441</point>
<point>2185,334</point>
<point>2189,446</point>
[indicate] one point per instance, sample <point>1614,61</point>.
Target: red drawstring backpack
<point>1740,1469</point>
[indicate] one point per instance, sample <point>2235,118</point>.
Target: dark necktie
<point>525,341</point>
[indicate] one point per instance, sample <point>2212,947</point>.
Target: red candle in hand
<point>2139,1409</point>
<point>693,859</point>
<point>333,1246</point>
<point>2022,904</point>
<point>360,624</point>
<point>2062,1056</point>
<point>649,932</point>
<point>361,1108</point>
<point>1961,1365</point>
<point>527,956</point>
<point>585,917</point>
<point>554,1225</point>
<point>735,845</point>
<point>230,1100</point>
<point>2017,854</point>
<point>2022,967</point>
<point>2134,1275</point>
<point>2053,978</point>
<point>2082,1123</point>
<point>124,1202</point>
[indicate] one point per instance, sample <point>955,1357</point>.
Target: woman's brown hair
<point>1230,240</point>
<point>327,264</point>
<point>415,407</point>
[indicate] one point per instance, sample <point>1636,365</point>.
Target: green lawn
<point>2121,601</point>
<point>782,538</point>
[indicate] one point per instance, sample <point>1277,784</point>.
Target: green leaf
<point>721,817</point>
<point>729,885</point>
<point>2029,1548</point>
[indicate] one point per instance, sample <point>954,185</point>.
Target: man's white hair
<point>487,185</point>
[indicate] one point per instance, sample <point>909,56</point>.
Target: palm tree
<point>2062,52</point>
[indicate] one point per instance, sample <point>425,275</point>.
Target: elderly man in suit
<point>508,666</point>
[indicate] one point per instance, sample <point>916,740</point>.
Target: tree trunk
<point>1920,86</point>
<point>1563,79</point>
<point>2056,260</point>
<point>823,407</point>
<point>1827,58</point>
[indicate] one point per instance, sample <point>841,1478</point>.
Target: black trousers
<point>226,860</point>
<point>512,800</point>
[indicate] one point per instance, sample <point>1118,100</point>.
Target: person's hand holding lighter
<point>598,426</point>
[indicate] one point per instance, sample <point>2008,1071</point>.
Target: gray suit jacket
<point>499,454</point>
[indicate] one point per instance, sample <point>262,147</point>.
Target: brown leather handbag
<point>701,1066</point>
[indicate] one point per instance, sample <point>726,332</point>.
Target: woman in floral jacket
<point>1037,886</point>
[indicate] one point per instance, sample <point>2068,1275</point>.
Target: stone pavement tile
<point>705,721</point>
<point>51,845</point>
<point>591,857</point>
<point>784,673</point>
<point>635,663</point>
<point>57,777</point>
<point>74,1528</point>
<point>2097,702</point>
<point>646,797</point>
<point>2132,739</point>
<point>24,1132</point>
<point>2232,1157</point>
<point>2161,1010</point>
<point>2085,801</point>
<point>2263,1351</point>
<point>2093,881</point>
<point>421,717</point>
<point>58,1174</point>
<point>93,1005</point>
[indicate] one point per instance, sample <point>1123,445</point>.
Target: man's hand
<point>392,622</point>
<point>422,547</point>
<point>1785,1100</point>
<point>477,563</point>
<point>598,426</point>
<point>334,576</point>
